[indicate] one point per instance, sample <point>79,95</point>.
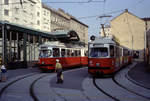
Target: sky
<point>89,12</point>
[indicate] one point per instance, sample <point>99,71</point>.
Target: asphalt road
<point>32,85</point>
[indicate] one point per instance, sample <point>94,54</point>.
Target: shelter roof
<point>66,35</point>
<point>24,29</point>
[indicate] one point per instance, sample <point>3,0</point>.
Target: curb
<point>134,81</point>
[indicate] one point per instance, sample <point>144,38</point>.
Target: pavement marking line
<point>74,69</point>
<point>13,91</point>
<point>15,96</point>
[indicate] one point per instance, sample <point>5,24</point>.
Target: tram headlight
<point>91,63</point>
<point>113,62</point>
<point>43,62</point>
<point>97,64</point>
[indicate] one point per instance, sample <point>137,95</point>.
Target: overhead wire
<point>64,2</point>
<point>89,1</point>
<point>134,5</point>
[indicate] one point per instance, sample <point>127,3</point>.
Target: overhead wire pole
<point>104,16</point>
<point>102,25</point>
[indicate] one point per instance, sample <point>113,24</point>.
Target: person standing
<point>58,69</point>
<point>3,73</point>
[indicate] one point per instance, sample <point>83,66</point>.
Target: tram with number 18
<point>107,57</point>
<point>69,55</point>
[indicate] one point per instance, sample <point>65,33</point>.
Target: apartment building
<point>46,18</point>
<point>80,28</point>
<point>106,32</point>
<point>28,13</point>
<point>34,14</point>
<point>130,32</point>
<point>147,50</point>
<point>59,20</point>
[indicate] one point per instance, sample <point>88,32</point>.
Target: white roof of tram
<point>100,40</point>
<point>53,44</point>
<point>58,44</point>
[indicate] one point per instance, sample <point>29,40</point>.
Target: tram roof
<point>24,29</point>
<point>100,40</point>
<point>66,35</point>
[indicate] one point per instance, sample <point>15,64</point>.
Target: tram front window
<point>98,52</point>
<point>45,53</point>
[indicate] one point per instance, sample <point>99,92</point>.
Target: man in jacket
<point>58,69</point>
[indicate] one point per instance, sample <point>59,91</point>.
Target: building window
<point>44,12</point>
<point>38,13</point>
<point>6,12</point>
<point>6,2</point>
<point>17,10</point>
<point>38,22</point>
<point>16,19</point>
<point>25,21</point>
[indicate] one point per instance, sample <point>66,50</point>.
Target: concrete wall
<point>81,30</point>
<point>130,30</point>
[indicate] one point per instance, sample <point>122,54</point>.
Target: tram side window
<point>72,53</point>
<point>111,51</point>
<point>117,51</point>
<point>56,52</point>
<point>85,53</point>
<point>79,52</point>
<point>120,51</point>
<point>76,53</point>
<point>68,53</point>
<point>63,53</point>
<point>125,52</point>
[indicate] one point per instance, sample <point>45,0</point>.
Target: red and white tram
<point>106,56</point>
<point>69,55</point>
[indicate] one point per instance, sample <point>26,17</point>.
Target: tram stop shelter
<point>19,44</point>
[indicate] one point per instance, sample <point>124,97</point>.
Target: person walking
<point>58,69</point>
<point>3,73</point>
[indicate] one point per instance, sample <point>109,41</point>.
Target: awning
<point>67,35</point>
<point>23,29</point>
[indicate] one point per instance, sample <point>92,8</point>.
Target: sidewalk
<point>140,74</point>
<point>18,72</point>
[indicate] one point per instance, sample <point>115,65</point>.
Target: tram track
<point>100,89</point>
<point>135,82</point>
<point>32,93</point>
<point>113,78</point>
<point>121,83</point>
<point>12,82</point>
<point>31,86</point>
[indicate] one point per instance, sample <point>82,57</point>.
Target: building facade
<point>46,16</point>
<point>34,14</point>
<point>106,32</point>
<point>147,51</point>
<point>80,28</point>
<point>23,26</point>
<point>60,21</point>
<point>130,32</point>
<point>29,13</point>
